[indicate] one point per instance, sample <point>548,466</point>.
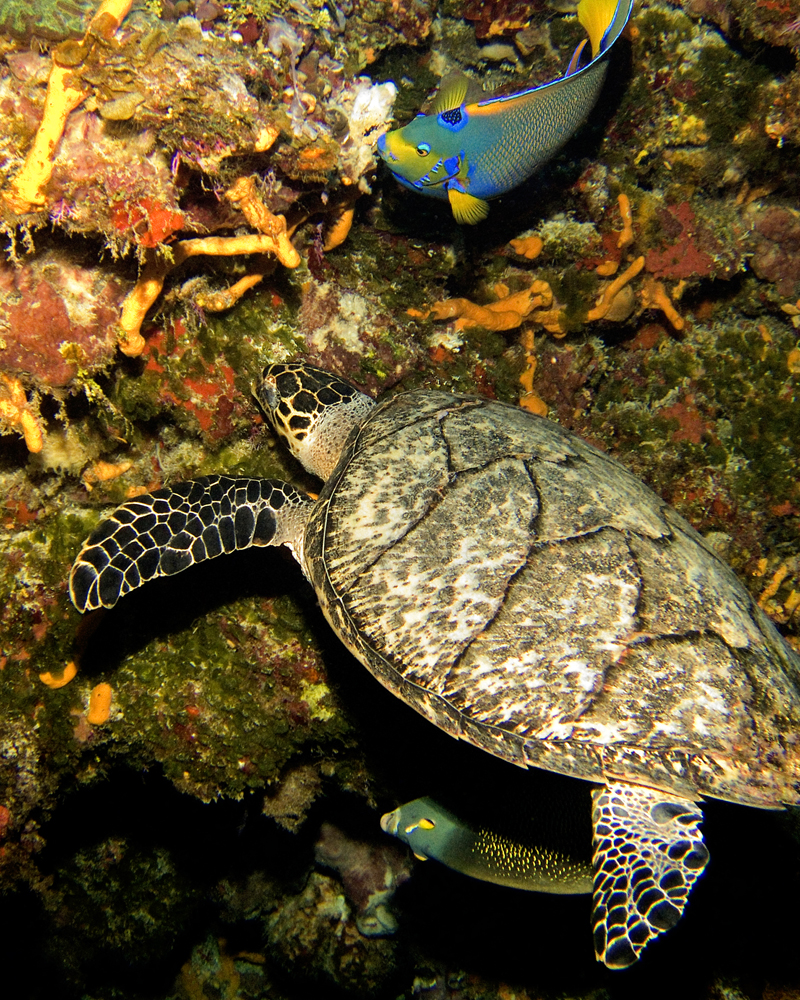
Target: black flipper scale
<point>171,529</point>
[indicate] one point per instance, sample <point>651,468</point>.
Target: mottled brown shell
<point>525,592</point>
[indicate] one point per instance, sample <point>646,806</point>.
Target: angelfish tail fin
<point>603,21</point>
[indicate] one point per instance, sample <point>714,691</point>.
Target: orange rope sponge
<point>606,300</point>
<point>507,313</point>
<point>137,302</point>
<point>653,295</point>
<point>527,246</point>
<point>626,236</point>
<point>227,298</point>
<point>148,287</point>
<point>244,195</point>
<point>530,400</point>
<point>15,410</point>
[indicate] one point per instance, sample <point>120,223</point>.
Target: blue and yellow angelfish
<point>468,153</point>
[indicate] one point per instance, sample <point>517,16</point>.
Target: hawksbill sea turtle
<point>524,592</point>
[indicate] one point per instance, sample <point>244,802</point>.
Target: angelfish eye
<point>423,149</point>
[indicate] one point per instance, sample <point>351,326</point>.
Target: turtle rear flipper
<point>648,853</point>
<point>171,529</point>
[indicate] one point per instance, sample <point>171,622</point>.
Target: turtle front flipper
<point>171,529</point>
<point>648,853</point>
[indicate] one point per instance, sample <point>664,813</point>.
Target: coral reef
<point>132,142</point>
<point>772,22</point>
<point>314,938</point>
<point>179,777</point>
<point>57,314</point>
<point>370,874</point>
<point>776,253</point>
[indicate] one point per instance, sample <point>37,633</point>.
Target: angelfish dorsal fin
<point>454,90</point>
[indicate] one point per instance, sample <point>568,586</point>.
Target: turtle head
<point>313,411</point>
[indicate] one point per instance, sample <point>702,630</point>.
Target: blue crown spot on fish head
<point>454,119</point>
<point>383,150</point>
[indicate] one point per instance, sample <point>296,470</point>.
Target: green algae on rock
<point>53,20</point>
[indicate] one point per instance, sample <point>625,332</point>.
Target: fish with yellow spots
<point>470,152</point>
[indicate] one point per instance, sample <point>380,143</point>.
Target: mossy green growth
<point>221,702</point>
<point>725,85</point>
<point>576,290</point>
<point>414,81</point>
<point>719,405</point>
<point>121,899</point>
<point>312,13</point>
<point>661,32</point>
<point>52,20</point>
<point>409,274</point>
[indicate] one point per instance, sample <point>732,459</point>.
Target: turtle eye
<point>423,149</point>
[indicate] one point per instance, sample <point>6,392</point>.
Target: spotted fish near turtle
<point>524,592</point>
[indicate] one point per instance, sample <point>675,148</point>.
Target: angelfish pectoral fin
<point>648,853</point>
<point>574,63</point>
<point>466,207</point>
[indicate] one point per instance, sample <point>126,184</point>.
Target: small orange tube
<point>59,680</point>
<point>99,704</point>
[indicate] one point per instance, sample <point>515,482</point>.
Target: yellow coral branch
<point>65,91</point>
<point>230,246</point>
<point>227,298</point>
<point>27,191</point>
<point>244,195</point>
<point>341,225</point>
<point>110,15</point>
<point>773,586</point>
<point>530,400</point>
<point>149,286</point>
<point>507,313</point>
<point>135,306</point>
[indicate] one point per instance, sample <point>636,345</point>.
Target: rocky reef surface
<point>190,785</point>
